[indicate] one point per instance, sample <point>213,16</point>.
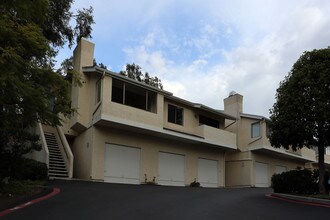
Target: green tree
<point>133,71</point>
<point>31,90</point>
<point>300,116</point>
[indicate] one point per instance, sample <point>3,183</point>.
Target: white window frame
<point>253,132</point>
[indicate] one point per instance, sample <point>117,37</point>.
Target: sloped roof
<point>258,117</point>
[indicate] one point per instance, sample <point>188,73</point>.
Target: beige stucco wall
<point>82,148</point>
<point>245,140</point>
<point>239,173</point>
<point>190,119</point>
<point>150,147</point>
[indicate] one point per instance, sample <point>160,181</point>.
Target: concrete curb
<point>300,199</point>
<point>45,194</point>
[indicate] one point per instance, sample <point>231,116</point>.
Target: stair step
<point>55,153</point>
<point>56,156</point>
<point>58,175</point>
<point>63,170</point>
<point>53,147</point>
<point>59,166</point>
<point>56,164</point>
<point>54,161</point>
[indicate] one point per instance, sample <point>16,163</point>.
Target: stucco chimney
<point>83,54</point>
<point>233,104</point>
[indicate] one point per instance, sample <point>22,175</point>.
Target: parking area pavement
<point>94,200</point>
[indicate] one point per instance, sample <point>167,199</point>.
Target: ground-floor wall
<point>150,148</point>
<point>81,148</point>
<point>248,169</point>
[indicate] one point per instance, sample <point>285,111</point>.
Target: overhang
<point>279,152</point>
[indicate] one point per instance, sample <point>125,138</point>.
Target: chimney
<point>233,104</point>
<point>83,54</point>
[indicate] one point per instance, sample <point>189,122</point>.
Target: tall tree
<point>30,89</point>
<point>133,71</point>
<point>300,116</point>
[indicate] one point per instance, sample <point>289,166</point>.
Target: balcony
<point>217,136</point>
<point>262,144</point>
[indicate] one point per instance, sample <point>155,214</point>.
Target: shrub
<point>195,184</point>
<point>28,169</point>
<point>295,182</point>
<point>20,187</point>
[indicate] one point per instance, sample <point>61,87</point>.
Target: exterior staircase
<point>57,168</point>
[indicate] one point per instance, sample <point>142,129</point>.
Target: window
<point>133,96</point>
<point>98,91</point>
<point>175,115</point>
<point>255,130</point>
<point>208,121</point>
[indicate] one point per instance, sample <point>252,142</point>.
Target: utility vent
<point>232,93</point>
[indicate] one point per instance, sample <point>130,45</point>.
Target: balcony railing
<point>219,136</point>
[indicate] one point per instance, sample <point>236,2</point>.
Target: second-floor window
<point>255,130</point>
<point>133,96</point>
<point>175,114</point>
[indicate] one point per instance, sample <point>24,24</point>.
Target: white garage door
<point>208,172</point>
<point>170,169</point>
<point>280,169</point>
<point>122,164</point>
<point>261,174</point>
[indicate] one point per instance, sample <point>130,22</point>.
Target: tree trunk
<point>321,169</point>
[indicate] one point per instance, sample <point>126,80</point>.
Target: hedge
<point>298,182</point>
<point>28,169</point>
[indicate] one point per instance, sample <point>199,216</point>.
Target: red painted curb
<point>34,201</point>
<point>297,201</point>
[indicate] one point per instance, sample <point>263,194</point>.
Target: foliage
<point>295,182</point>
<point>20,187</point>
<point>133,71</point>
<point>195,184</point>
<point>303,182</point>
<point>100,64</point>
<point>300,116</point>
<point>28,169</point>
<point>31,90</point>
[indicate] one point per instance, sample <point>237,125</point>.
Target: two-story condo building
<point>129,132</point>
<point>126,131</point>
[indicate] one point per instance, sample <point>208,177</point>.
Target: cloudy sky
<point>204,49</point>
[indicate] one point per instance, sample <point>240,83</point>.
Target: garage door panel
<point>208,172</point>
<point>122,164</point>
<point>261,174</point>
<point>171,169</point>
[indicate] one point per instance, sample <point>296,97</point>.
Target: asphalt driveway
<point>90,200</point>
